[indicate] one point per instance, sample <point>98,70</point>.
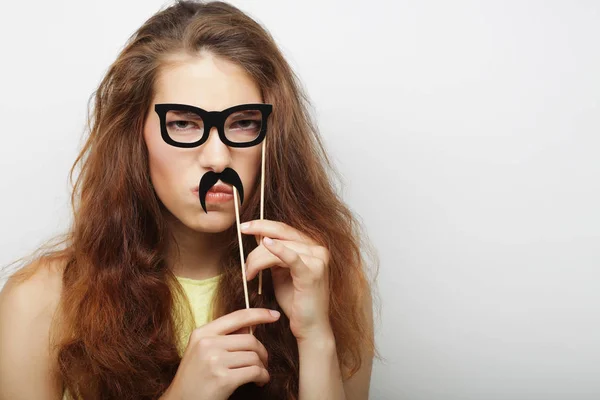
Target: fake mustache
<point>210,178</point>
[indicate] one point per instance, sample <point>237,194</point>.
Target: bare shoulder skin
<point>27,368</point>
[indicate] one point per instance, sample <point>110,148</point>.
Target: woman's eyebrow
<point>191,114</point>
<point>245,112</point>
<point>188,114</point>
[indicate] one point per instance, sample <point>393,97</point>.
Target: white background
<point>467,134</point>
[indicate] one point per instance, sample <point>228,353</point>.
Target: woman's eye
<point>179,125</point>
<point>247,123</point>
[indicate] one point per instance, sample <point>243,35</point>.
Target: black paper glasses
<point>183,125</point>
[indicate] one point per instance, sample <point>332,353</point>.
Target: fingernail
<point>245,225</point>
<point>268,240</point>
<point>275,313</point>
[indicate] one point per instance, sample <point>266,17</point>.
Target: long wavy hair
<point>117,332</point>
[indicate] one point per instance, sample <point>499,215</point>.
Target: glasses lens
<point>184,126</point>
<point>243,126</point>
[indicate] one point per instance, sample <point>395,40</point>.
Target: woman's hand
<point>218,359</point>
<point>299,267</point>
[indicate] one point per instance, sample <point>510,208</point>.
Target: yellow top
<point>199,293</point>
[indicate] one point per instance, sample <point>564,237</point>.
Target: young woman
<point>146,299</point>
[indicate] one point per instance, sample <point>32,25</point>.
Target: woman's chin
<point>213,222</point>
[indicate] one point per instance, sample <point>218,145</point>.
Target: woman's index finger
<point>238,319</point>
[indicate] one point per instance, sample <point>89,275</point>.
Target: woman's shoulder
<point>32,294</point>
<point>37,286</point>
<point>28,302</point>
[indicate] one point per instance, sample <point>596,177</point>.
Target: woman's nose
<point>214,153</point>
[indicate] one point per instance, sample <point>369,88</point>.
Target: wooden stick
<point>237,222</point>
<point>262,204</point>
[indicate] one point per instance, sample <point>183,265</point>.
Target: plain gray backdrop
<point>468,136</point>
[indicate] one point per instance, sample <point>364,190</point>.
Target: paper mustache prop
<point>210,178</point>
<point>230,134</point>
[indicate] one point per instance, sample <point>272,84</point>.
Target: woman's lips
<point>218,197</point>
<point>215,197</point>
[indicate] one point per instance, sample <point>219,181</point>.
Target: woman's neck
<point>199,252</point>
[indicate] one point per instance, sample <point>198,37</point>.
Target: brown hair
<point>117,329</point>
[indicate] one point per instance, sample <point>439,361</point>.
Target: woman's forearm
<point>320,376</point>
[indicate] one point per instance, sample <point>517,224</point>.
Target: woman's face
<point>212,84</point>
